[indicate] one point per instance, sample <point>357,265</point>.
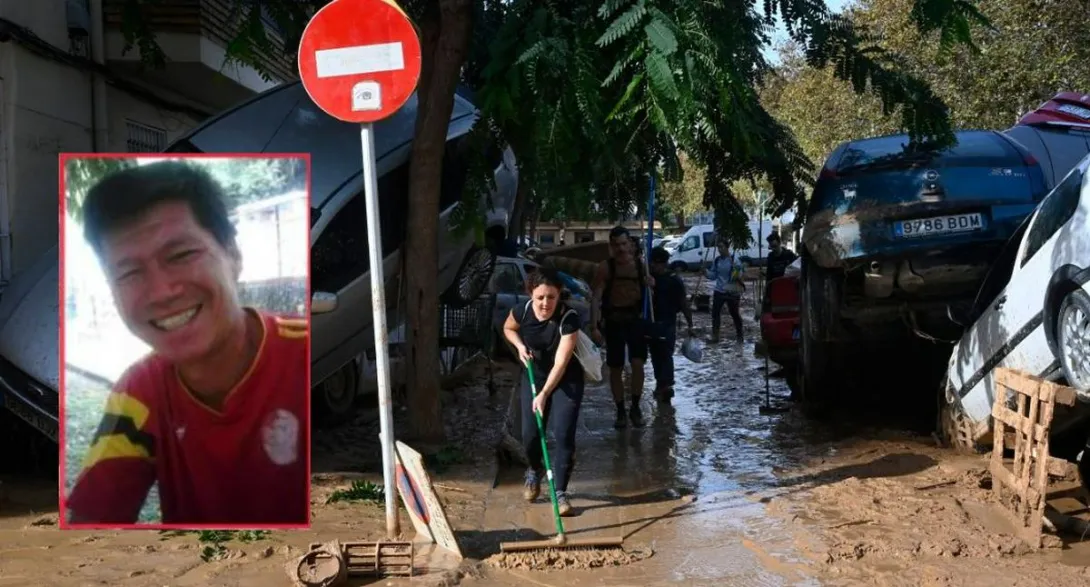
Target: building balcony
<point>194,35</point>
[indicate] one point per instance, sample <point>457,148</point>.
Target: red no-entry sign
<point>359,60</point>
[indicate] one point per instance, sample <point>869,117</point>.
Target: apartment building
<point>67,84</point>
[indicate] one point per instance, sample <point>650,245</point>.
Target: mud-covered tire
<point>472,278</point>
<point>819,360</point>
<point>955,431</point>
<point>334,399</point>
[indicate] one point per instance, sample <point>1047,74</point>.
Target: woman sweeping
<point>544,334</point>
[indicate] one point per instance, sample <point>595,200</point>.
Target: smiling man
<point>216,414</point>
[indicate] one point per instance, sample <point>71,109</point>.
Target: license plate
<point>1075,110</point>
<point>938,225</point>
<point>795,333</point>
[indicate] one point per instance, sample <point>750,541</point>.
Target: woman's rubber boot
<point>715,336</point>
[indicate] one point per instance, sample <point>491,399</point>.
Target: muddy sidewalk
<point>716,492</point>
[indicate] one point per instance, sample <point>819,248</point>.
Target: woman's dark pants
<point>561,417</point>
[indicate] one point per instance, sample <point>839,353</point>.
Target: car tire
<point>1073,339</point>
<point>472,278</point>
<point>679,266</point>
<point>953,428</point>
<point>334,399</point>
<point>818,359</point>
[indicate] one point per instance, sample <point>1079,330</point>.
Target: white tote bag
<point>589,355</point>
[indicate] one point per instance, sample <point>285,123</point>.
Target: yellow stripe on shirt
<point>114,446</point>
<point>124,405</point>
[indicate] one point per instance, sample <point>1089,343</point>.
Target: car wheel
<point>472,278</point>
<point>954,429</point>
<point>679,266</point>
<point>817,358</point>
<point>1073,339</point>
<point>334,398</point>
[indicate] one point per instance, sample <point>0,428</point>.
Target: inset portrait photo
<point>185,387</point>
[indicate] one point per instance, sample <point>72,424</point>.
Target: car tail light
<point>783,295</point>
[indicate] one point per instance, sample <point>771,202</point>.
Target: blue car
<point>897,241</point>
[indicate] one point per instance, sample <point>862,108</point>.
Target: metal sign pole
<point>378,306</point>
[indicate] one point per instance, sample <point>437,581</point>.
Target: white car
<point>1032,314</point>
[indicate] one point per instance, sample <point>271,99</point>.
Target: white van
<point>697,249</point>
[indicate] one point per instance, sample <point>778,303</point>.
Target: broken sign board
<point>418,495</point>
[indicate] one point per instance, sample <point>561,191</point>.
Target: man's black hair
<point>660,255</point>
<point>774,237</point>
<point>617,231</point>
<point>122,197</point>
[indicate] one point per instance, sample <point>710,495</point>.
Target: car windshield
<point>895,151</point>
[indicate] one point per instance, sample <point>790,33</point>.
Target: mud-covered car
<point>1032,314</point>
<point>29,323</point>
<point>286,120</point>
<point>780,320</point>
<point>894,237</point>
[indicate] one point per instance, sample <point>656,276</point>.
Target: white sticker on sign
<point>359,60</point>
<point>367,95</point>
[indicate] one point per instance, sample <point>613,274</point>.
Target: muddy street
<point>710,492</point>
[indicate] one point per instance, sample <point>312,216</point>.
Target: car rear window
<point>976,148</point>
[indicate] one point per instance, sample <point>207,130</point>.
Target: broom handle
<point>544,451</point>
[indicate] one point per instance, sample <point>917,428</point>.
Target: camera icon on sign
<point>367,95</point>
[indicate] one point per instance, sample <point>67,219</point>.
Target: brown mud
<point>718,492</point>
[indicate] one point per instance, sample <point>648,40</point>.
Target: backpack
<point>608,290</point>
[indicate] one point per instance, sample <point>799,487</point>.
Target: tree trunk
<point>444,43</point>
<point>518,209</point>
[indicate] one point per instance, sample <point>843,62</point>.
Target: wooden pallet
<point>381,559</point>
<point>1027,428</point>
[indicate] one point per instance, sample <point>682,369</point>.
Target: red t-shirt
<point>245,465</point>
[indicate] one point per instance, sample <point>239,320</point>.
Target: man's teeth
<point>176,321</point>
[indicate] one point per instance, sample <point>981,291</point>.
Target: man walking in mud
<point>669,299</point>
<point>620,289</point>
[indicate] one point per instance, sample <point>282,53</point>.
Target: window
<point>584,237</point>
<point>709,239</point>
<point>689,244</point>
<point>1000,273</point>
<point>1056,209</point>
<point>507,279</point>
<point>455,173</point>
<point>548,238</point>
<point>340,254</point>
<point>141,138</point>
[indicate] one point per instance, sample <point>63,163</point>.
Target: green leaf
<point>662,79</point>
<point>623,24</point>
<point>661,37</point>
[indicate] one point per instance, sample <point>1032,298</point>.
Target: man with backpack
<point>669,299</point>
<point>726,273</point>
<point>620,289</point>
